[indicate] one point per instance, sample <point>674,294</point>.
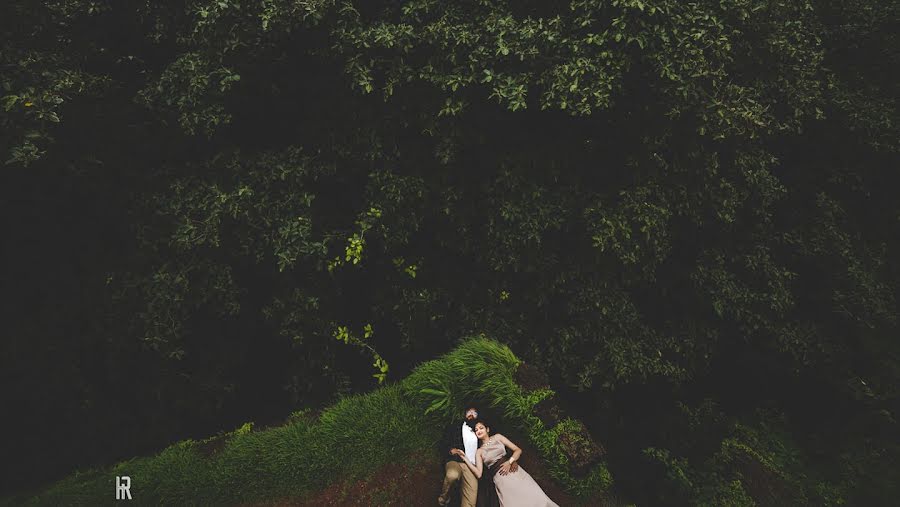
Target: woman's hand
<point>508,468</point>
<point>457,452</point>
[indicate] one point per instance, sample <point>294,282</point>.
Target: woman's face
<point>480,430</point>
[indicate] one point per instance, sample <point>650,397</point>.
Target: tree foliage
<point>627,192</point>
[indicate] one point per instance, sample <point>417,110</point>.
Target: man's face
<point>471,414</point>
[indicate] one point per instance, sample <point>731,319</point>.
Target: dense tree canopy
<point>684,211</point>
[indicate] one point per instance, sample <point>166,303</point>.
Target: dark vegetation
<point>683,212</point>
<point>316,460</point>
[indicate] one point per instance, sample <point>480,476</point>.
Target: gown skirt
<point>517,489</point>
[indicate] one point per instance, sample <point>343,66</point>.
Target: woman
<point>514,487</point>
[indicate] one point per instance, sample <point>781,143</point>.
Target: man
<point>460,435</point>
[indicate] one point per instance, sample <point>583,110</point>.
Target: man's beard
<point>471,424</point>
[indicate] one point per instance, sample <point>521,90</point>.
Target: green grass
<point>346,442</point>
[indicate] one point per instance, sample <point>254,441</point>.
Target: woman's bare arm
<point>478,467</point>
<point>509,466</point>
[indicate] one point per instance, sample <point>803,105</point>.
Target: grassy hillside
<point>377,448</point>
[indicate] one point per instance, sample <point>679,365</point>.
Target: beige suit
<point>468,487</point>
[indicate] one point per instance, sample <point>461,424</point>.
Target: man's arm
<point>478,467</point>
<point>449,442</point>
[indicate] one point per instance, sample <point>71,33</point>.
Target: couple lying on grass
<point>476,459</point>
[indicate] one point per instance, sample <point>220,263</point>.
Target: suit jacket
<point>452,439</point>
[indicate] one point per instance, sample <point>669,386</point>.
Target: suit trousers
<point>455,471</point>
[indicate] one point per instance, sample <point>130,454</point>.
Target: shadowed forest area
<point>683,213</point>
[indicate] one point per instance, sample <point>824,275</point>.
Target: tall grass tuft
<point>483,371</point>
